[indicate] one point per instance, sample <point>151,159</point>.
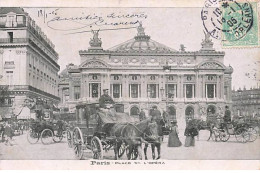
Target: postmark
<point>245,33</point>
<point>232,22</point>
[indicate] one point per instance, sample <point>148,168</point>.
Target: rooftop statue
<point>95,41</point>
<point>182,48</point>
<point>207,42</point>
<point>140,29</point>
<point>207,37</point>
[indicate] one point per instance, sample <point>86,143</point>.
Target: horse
<point>156,142</point>
<point>203,125</point>
<point>133,136</point>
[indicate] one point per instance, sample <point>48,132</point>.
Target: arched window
<point>134,111</point>
<point>211,110</point>
<point>189,113</point>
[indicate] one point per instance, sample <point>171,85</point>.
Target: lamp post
<point>166,69</point>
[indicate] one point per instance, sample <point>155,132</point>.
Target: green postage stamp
<point>240,24</point>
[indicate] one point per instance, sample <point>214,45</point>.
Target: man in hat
<point>155,114</point>
<point>105,100</point>
<point>227,116</point>
<point>142,115</point>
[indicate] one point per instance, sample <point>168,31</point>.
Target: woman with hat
<point>190,132</point>
<point>174,140</point>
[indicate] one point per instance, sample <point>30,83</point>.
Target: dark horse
<point>155,141</point>
<point>203,125</point>
<point>133,136</point>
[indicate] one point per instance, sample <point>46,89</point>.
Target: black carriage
<point>46,129</point>
<point>243,131</point>
<point>90,132</point>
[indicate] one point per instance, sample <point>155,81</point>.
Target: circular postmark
<point>227,19</point>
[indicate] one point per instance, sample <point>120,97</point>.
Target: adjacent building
<point>141,72</point>
<point>246,102</point>
<point>28,60</point>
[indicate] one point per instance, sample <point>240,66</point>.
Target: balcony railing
<point>30,88</point>
<point>14,40</point>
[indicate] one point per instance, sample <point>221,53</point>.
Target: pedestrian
<point>174,140</point>
<point>142,115</point>
<point>8,134</point>
<point>190,132</point>
<point>166,117</point>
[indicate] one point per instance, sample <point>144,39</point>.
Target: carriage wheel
<point>121,150</point>
<point>58,136</point>
<point>224,136</point>
<point>47,136</point>
<point>242,135</point>
<point>78,142</point>
<point>252,134</point>
<point>96,148</point>
<point>32,137</point>
<point>69,138</point>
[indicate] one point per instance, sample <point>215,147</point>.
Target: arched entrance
<point>134,111</point>
<point>211,113</point>
<point>172,113</point>
<point>189,113</point>
<point>211,110</point>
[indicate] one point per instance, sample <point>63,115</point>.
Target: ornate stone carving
<point>220,110</point>
<point>143,60</point>
<point>125,60</point>
<point>1,51</point>
<point>179,63</point>
<point>210,65</point>
<point>116,60</point>
<point>95,64</point>
<point>18,52</point>
<point>134,60</point>
<point>203,110</point>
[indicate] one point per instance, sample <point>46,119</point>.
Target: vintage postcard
<point>171,85</point>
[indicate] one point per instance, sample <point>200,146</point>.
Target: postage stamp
<point>240,24</point>
<point>235,23</point>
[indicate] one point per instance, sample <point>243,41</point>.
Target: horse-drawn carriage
<point>46,129</point>
<point>244,131</point>
<point>99,130</point>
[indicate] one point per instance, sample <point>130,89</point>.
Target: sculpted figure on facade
<point>210,65</point>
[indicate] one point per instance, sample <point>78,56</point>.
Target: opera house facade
<point>141,72</point>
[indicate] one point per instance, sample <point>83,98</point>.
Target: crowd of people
<point>8,128</point>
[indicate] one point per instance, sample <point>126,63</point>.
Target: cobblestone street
<point>22,150</point>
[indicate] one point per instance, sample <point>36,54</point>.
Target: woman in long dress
<point>190,132</point>
<point>174,140</point>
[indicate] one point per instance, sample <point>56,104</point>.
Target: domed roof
<point>141,43</point>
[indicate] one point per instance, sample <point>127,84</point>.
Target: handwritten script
<point>84,21</point>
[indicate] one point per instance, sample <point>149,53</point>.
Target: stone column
<point>1,66</point>
<point>197,84</point>
<point>203,87</point>
<point>126,87</point>
<point>143,86</point>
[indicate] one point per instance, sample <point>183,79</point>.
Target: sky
<point>169,26</point>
